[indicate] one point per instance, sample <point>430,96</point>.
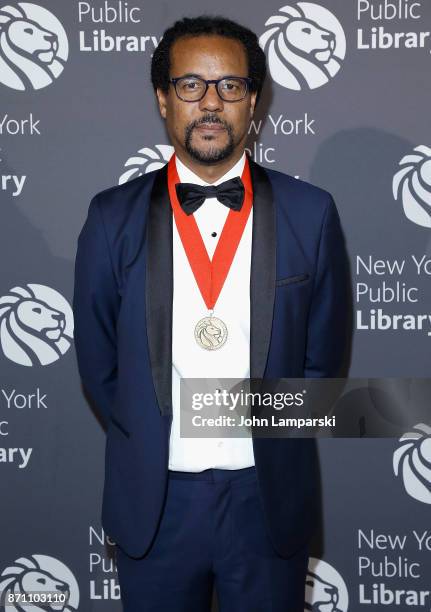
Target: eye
<point>306,30</point>
<point>28,30</point>
<point>230,85</point>
<point>190,85</point>
<point>37,310</point>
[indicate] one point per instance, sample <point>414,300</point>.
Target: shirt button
<point>214,234</point>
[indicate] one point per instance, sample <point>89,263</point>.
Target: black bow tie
<point>191,196</point>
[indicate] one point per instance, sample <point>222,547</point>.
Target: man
<point>176,279</point>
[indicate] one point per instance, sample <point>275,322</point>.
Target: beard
<point>215,153</point>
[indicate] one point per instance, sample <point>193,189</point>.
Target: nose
<point>211,100</point>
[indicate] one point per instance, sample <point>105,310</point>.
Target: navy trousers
<point>212,533</point>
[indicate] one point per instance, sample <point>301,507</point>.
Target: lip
<point>211,127</point>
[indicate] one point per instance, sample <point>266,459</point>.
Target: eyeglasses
<point>229,88</point>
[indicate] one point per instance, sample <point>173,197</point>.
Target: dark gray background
<point>98,113</point>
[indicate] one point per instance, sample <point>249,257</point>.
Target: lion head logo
<point>210,333</point>
<point>33,46</point>
<point>412,461</point>
<point>413,183</point>
<point>304,44</point>
<point>39,576</point>
<point>36,325</point>
<point>325,590</point>
<point>146,160</point>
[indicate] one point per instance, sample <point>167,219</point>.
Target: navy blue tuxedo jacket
<point>123,333</point>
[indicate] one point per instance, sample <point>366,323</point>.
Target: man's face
<point>210,130</point>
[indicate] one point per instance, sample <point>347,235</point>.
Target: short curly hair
<point>208,25</point>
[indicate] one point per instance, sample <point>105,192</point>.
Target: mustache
<point>208,119</point>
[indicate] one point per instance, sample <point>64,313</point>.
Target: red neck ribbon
<point>210,274</point>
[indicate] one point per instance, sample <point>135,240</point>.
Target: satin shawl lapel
<point>159,290</point>
<point>159,281</point>
<point>263,270</point>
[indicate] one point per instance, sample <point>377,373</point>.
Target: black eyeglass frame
<point>248,81</point>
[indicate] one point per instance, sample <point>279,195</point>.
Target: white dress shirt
<point>189,360</point>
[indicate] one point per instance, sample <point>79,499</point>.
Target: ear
<point>253,97</point>
<point>162,101</point>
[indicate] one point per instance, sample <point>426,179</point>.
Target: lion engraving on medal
<point>210,333</point>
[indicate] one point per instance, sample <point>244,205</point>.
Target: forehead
<point>208,56</point>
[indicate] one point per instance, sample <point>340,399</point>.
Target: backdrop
<point>346,107</point>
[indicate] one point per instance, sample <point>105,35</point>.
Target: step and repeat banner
<point>346,107</point>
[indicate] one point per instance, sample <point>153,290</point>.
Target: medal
<point>210,332</point>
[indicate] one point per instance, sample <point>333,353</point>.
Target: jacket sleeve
<point>95,307</point>
<point>329,315</point>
